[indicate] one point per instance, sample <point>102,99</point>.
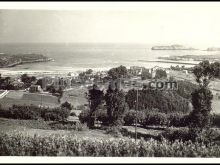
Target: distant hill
<point>10,60</point>
<point>211,58</point>
<point>172,47</point>
<point>213,49</point>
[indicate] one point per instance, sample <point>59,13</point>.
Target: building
<point>154,70</point>
<point>35,88</point>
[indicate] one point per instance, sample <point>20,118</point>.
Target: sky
<point>162,23</point>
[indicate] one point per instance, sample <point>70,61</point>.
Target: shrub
<point>114,131</point>
<point>184,134</point>
<point>66,105</point>
<point>172,134</point>
<point>84,116</point>
<point>157,118</point>
<point>34,112</point>
<point>178,120</point>
<point>77,126</point>
<point>130,117</point>
<point>216,120</point>
<point>101,115</point>
<point>72,114</point>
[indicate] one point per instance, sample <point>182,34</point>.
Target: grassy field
<point>31,127</point>
<point>21,98</point>
<point>75,96</point>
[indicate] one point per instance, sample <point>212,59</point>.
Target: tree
<point>66,105</point>
<point>118,72</point>
<point>145,75</point>
<point>95,98</point>
<point>116,106</point>
<point>27,80</point>
<point>165,101</point>
<point>89,71</point>
<point>202,97</point>
<point>160,74</point>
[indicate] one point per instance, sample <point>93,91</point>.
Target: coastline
<point>171,62</point>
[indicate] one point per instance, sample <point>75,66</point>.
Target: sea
<point>82,56</point>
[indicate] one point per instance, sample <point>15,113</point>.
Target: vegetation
<point>118,72</point>
<point>145,75</point>
<point>95,99</point>
<point>165,101</point>
<point>116,106</point>
<point>186,88</point>
<point>202,97</point>
<point>67,105</point>
<point>35,113</point>
<point>10,60</point>
<point>15,144</point>
<point>160,74</point>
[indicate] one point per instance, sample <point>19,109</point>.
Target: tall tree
<point>95,98</point>
<point>118,72</point>
<point>202,97</point>
<point>116,106</point>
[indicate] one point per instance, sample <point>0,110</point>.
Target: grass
<point>43,128</point>
<point>75,96</point>
<point>21,98</point>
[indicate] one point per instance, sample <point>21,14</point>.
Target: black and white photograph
<point>108,79</point>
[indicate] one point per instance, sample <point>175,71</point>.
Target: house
<point>154,70</point>
<point>136,70</point>
<point>35,88</point>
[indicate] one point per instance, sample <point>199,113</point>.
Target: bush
<point>178,120</point>
<point>130,117</point>
<point>77,126</point>
<point>72,114</point>
<point>84,116</point>
<point>216,120</point>
<point>114,131</point>
<point>101,115</point>
<point>184,134</point>
<point>34,113</point>
<point>172,134</point>
<point>66,105</point>
<point>155,118</point>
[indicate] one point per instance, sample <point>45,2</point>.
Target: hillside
<point>10,60</point>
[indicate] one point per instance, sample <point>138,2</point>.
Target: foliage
<point>202,97</point>
<point>130,117</point>
<point>157,118</point>
<point>114,131</point>
<point>116,106</point>
<point>95,99</point>
<point>77,126</point>
<point>66,105</point>
<point>165,101</point>
<point>200,116</point>
<point>84,116</point>
<point>145,75</point>
<point>160,74</point>
<point>178,119</point>
<point>185,88</point>
<point>177,134</point>
<point>118,72</point>
<point>16,144</point>
<point>27,80</point>
<point>35,113</point>
<point>72,114</point>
